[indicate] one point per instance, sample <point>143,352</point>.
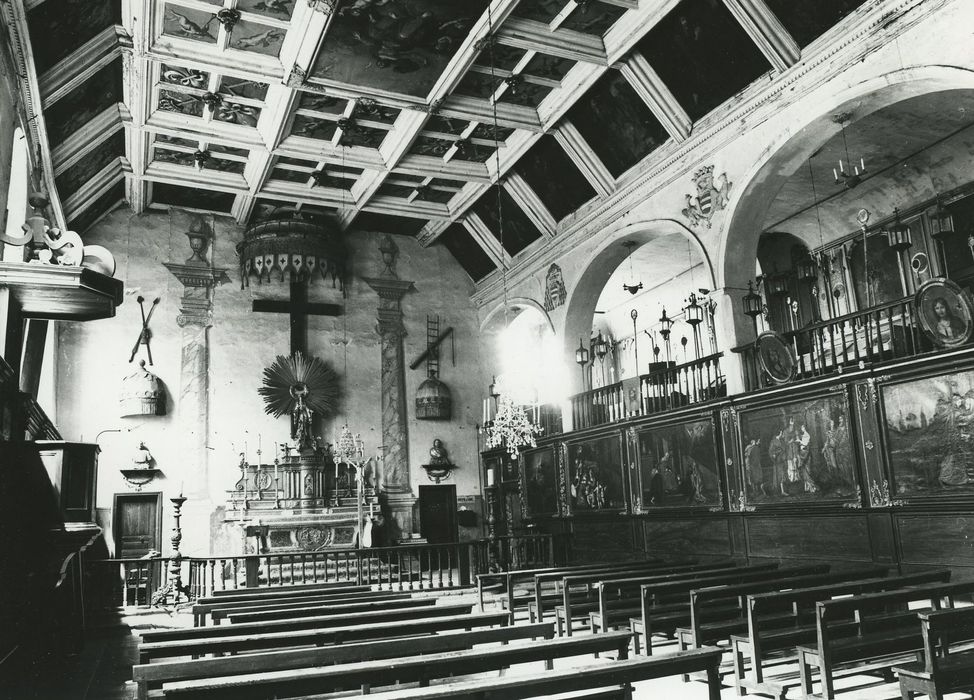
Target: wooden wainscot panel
<point>688,537</point>
<point>838,538</point>
<point>941,539</point>
<point>881,537</point>
<point>603,540</point>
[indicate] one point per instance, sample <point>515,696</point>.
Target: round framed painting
<point>776,357</point>
<point>945,312</point>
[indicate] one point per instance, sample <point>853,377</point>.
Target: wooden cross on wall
<point>299,308</point>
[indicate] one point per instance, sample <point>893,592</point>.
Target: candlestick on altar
<point>277,484</point>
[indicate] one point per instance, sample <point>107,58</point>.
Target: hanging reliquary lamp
<point>291,241</point>
<point>142,394</point>
<point>433,398</point>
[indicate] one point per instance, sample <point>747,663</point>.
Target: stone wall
<point>93,359</point>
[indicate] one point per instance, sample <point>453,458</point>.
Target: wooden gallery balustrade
<point>681,385</point>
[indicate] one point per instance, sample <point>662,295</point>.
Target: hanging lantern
<point>666,324</point>
<point>807,269</point>
<point>777,284</point>
<point>898,235</point>
<point>693,311</point>
<point>752,302</point>
<point>581,357</point>
<point>941,222</point>
<point>601,346</point>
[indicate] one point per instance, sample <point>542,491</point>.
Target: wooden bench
<point>944,669</point>
<point>763,640</point>
<point>508,580</point>
<point>308,622</point>
<point>407,669</point>
<point>710,625</point>
<point>220,611</point>
<point>243,617</point>
<point>152,675</point>
<point>616,675</point>
<point>664,607</point>
<point>870,630</point>
<point>308,637</point>
<point>553,581</point>
<point>239,593</point>
<point>579,593</point>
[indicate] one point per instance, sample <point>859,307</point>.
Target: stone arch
<point>585,291</point>
<point>737,246</point>
<point>495,315</point>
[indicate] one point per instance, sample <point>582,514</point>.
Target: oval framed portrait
<point>945,312</point>
<point>776,357</point>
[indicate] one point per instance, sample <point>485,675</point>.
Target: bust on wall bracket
<point>439,466</point>
<point>143,469</point>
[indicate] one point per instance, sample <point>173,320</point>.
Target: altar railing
<point>111,583</point>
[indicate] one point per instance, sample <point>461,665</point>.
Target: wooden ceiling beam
<point>413,210</point>
<point>430,166</point>
<point>433,229</point>
<point>158,171</point>
<point>93,189</point>
<point>487,240</point>
<point>585,158</point>
<point>533,207</point>
<point>767,32</point>
<point>657,96</point>
<point>86,139</point>
<point>477,109</point>
<point>79,66</point>
<point>537,36</point>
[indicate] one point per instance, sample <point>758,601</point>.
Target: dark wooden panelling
<point>936,539</point>
<point>604,540</point>
<point>738,536</point>
<point>688,537</point>
<point>881,537</point>
<point>838,538</point>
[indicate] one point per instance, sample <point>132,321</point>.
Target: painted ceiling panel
<point>518,230</point>
<point>86,101</point>
<point>616,123</point>
<point>72,179</point>
<point>192,197</point>
<point>59,27</point>
<point>104,204</point>
<point>593,17</point>
<point>807,20</point>
<point>554,177</point>
<point>539,10</point>
<point>400,46</point>
<point>277,9</point>
<point>467,251</point>
<point>703,55</point>
<point>385,223</point>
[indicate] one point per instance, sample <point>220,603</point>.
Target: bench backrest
<point>941,630</point>
<point>238,616</point>
<point>219,611</point>
<point>147,676</point>
<point>633,584</point>
<point>288,590</point>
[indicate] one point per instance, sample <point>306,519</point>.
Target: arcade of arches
<point>735,307</point>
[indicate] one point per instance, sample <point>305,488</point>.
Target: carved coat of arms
<point>710,198</point>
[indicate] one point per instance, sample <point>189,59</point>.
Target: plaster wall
<point>758,139</point>
<point>93,359</point>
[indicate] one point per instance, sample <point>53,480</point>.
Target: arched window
<point>17,190</point>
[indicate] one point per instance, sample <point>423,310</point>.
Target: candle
<point>258,449</point>
<point>862,164</point>
<point>490,476</point>
<point>835,175</point>
<point>841,166</point>
<point>181,482</point>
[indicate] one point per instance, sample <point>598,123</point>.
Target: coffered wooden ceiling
<point>393,115</point>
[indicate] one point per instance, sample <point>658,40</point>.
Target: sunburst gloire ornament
<point>300,386</point>
<point>511,428</point>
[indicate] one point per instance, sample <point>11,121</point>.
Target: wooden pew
<point>573,680</point>
<point>882,627</point>
<point>408,669</point>
<point>541,581</point>
<point>579,592</point>
<point>307,637</point>
<point>509,579</point>
<point>664,607</point>
<point>219,611</point>
<point>271,591</point>
<point>153,675</point>
<point>243,617</point>
<point>309,622</point>
<point>764,639</point>
<point>944,669</point>
<point>710,624</point>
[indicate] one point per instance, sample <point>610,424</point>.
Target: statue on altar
<point>301,416</point>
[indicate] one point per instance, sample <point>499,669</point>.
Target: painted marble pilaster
<point>199,279</point>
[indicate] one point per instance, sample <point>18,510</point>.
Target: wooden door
<point>137,526</point>
<point>438,513</point>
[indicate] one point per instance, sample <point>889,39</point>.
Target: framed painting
<point>539,483</point>
<point>678,465</point>
<point>595,478</point>
<point>776,357</point>
<point>945,313</point>
<point>928,424</point>
<point>801,451</point>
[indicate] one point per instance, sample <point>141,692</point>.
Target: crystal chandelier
<point>511,428</point>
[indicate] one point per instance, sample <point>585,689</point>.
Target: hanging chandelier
<point>511,428</point>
